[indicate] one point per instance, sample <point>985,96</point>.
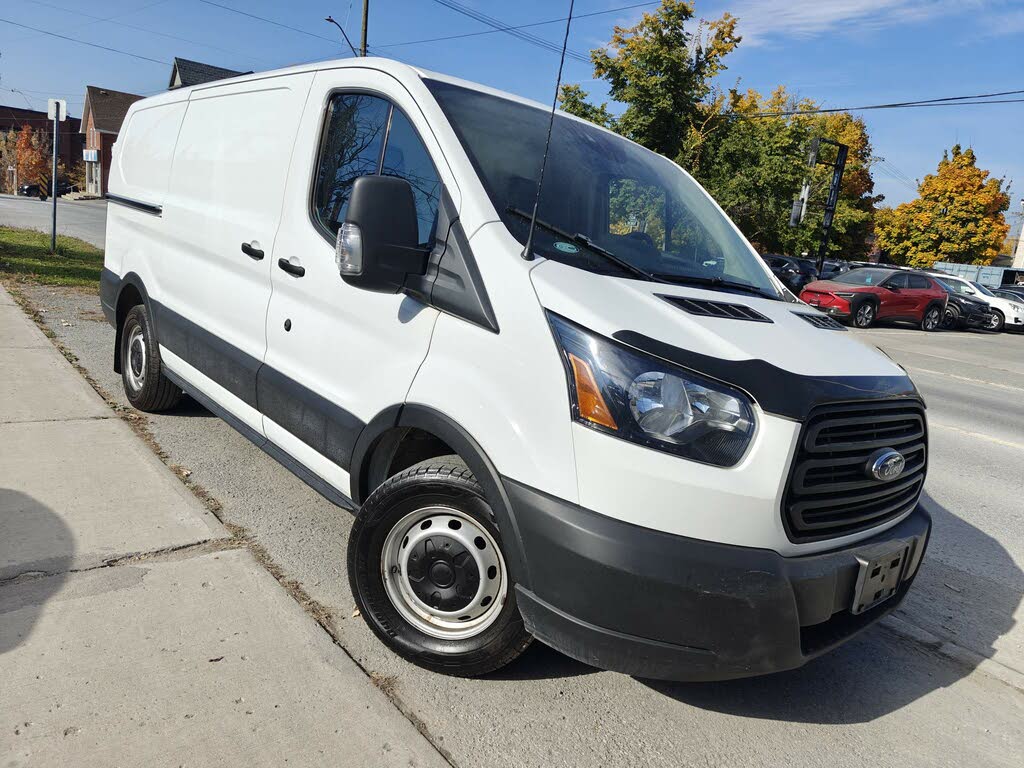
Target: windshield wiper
<point>591,246</point>
<point>716,282</point>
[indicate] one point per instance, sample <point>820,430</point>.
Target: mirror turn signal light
<point>588,395</point>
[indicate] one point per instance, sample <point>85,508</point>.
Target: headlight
<point>1017,308</point>
<point>651,402</point>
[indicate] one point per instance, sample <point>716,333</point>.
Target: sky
<point>842,53</point>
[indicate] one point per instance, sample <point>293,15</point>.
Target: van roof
<point>397,69</point>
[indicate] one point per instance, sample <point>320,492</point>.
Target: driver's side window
<point>896,281</point>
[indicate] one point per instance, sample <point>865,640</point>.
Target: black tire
<point>864,314</point>
<point>997,322</point>
<point>145,385</point>
<point>440,482</point>
<point>951,318</point>
<point>931,320</point>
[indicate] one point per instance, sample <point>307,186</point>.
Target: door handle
<point>291,269</point>
<point>252,252</point>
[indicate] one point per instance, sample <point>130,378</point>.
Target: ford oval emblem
<point>885,464</point>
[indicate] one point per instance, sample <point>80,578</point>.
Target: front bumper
<point>655,605</point>
<point>976,320</point>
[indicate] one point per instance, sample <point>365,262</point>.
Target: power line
<point>517,26</point>
<point>83,42</point>
<point>501,26</point>
<point>950,101</point>
<point>110,20</point>
<point>331,40</point>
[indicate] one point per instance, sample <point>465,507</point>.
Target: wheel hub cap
<point>136,369</point>
<point>444,573</point>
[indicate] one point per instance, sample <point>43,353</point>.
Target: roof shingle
<point>108,108</point>
<point>186,73</point>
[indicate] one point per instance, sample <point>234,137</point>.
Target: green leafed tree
<point>662,70</point>
<point>957,216</point>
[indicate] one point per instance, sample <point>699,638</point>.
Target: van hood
<point>629,310</point>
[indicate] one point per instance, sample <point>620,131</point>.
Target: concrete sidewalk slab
<point>198,662</point>
<point>38,384</point>
<point>16,329</point>
<point>99,487</point>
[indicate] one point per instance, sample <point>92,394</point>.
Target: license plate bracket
<point>879,577</point>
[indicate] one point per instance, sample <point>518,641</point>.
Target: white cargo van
<point>630,443</point>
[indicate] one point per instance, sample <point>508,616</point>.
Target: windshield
<point>955,286</point>
<point>983,289</point>
<point>862,276</point>
<point>607,206</point>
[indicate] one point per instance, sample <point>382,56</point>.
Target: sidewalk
<point>133,629</point>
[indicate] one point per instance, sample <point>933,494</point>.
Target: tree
<point>957,216</point>
<point>662,71</point>
<point>31,157</point>
<point>574,101</point>
<point>8,159</point>
<point>752,165</point>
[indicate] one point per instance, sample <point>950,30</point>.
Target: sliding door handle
<point>292,269</point>
<point>252,251</point>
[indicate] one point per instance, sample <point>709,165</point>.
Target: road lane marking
<point>979,435</point>
<point>967,378</point>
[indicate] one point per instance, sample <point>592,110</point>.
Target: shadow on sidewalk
<point>33,540</point>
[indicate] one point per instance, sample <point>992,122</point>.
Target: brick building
<point>71,140</point>
<point>102,116</point>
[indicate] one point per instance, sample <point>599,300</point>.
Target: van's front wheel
<point>428,573</point>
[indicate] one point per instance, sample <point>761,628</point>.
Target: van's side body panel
<point>336,355</point>
<point>226,188</point>
<point>507,389</point>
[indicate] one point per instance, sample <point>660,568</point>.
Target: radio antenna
<point>528,250</point>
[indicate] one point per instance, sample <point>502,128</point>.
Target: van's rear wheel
<point>428,574</point>
<point>145,385</point>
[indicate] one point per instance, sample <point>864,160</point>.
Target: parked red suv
<point>862,296</point>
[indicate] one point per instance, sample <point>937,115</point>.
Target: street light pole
<point>366,18</point>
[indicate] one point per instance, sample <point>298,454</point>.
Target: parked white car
<point>1005,312</point>
<point>626,441</point>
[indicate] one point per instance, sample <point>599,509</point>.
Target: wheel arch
<point>131,291</point>
<point>380,445</point>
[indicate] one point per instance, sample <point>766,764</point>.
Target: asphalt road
<point>882,699</point>
<point>84,219</point>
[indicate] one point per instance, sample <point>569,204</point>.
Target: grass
<point>25,255</point>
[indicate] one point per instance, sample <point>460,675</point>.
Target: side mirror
<point>378,245</point>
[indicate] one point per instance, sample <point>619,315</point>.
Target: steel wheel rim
<point>406,556</point>
<point>135,365</point>
<point>865,314</point>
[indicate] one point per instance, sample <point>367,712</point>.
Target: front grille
<point>721,309</point>
<point>830,493</point>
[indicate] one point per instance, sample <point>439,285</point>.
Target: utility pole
<point>799,210</point>
<point>366,20</point>
<point>58,110</point>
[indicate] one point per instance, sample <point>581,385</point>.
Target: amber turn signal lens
<point>588,395</point>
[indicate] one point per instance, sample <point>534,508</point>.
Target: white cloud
<point>764,20</point>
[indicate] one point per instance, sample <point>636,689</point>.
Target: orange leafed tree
<point>957,216</point>
<point>31,157</point>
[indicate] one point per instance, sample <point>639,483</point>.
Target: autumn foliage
<point>957,216</point>
<point>32,157</point>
